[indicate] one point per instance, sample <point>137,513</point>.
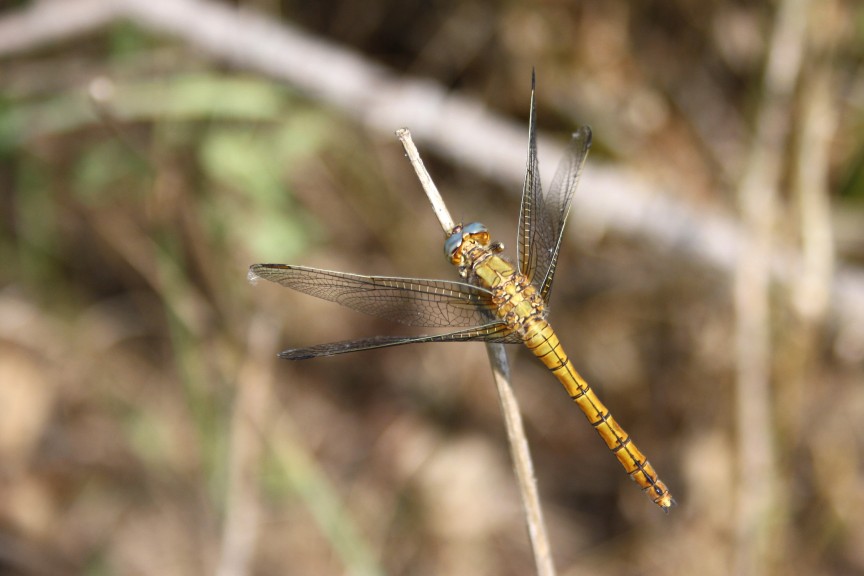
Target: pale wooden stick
<point>522,463</point>
<point>429,187</point>
<point>519,450</point>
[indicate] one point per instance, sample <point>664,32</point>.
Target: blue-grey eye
<point>474,228</point>
<point>451,245</point>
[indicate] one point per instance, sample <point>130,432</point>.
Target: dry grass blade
<point>509,405</point>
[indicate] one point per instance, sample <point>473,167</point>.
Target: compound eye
<point>478,232</point>
<point>452,245</point>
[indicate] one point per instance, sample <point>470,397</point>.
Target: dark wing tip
<point>258,271</point>
<point>584,132</point>
<point>295,354</point>
<point>533,78</point>
<point>273,266</point>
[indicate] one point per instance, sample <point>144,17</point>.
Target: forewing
<point>551,211</point>
<point>411,301</point>
<point>532,198</point>
<point>492,332</point>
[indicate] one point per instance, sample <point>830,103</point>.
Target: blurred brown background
<point>151,151</point>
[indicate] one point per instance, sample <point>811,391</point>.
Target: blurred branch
<point>456,127</point>
<point>758,533</point>
<point>250,422</point>
<point>46,22</point>
<point>811,298</point>
<point>813,290</point>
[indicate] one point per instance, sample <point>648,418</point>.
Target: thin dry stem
<point>429,187</point>
<point>522,463</point>
<point>519,450</point>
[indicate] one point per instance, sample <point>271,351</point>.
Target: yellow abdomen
<point>542,341</point>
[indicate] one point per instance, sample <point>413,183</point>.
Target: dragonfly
<point>497,300</point>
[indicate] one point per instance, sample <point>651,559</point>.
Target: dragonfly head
<point>475,233</point>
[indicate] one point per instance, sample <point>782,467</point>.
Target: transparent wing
<point>411,301</point>
<point>529,229</point>
<point>542,217</point>
<point>555,206</point>
<point>492,332</point>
